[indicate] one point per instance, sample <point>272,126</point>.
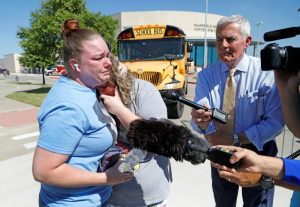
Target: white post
<point>205,39</point>
<point>257,40</point>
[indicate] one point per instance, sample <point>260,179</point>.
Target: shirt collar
<point>241,66</point>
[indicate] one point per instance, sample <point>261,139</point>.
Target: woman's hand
<point>114,176</point>
<point>115,106</point>
<point>114,103</point>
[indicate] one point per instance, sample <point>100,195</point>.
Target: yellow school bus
<point>160,55</point>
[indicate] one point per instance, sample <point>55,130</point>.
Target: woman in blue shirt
<point>76,129</point>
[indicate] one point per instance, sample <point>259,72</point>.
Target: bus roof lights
<point>172,32</point>
<point>126,34</point>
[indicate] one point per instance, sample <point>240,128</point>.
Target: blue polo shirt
<point>72,122</point>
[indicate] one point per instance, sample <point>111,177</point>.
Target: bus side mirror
<point>170,56</point>
<point>189,47</point>
<point>189,59</point>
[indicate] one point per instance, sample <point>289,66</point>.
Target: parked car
<point>50,71</point>
<point>56,70</point>
<point>61,69</point>
<point>4,71</point>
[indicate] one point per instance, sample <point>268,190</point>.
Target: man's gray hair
<point>238,19</point>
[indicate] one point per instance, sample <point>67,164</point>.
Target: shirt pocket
<point>261,105</point>
<point>258,100</point>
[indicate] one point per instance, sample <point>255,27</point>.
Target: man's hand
<point>250,161</point>
<point>243,179</point>
<point>201,117</point>
<point>249,172</point>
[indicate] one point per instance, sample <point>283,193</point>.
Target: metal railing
<point>287,143</point>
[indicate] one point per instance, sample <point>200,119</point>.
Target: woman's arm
<point>51,168</point>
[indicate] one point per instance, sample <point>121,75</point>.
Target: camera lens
<point>271,57</point>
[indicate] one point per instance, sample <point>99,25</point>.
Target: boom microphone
<point>165,138</point>
<point>281,34</point>
<point>217,114</point>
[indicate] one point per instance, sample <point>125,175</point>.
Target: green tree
<point>42,41</point>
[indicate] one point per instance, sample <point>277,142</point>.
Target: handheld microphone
<point>165,138</point>
<point>217,114</point>
<point>281,34</point>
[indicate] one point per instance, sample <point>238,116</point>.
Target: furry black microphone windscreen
<point>165,138</point>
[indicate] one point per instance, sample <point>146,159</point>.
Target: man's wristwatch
<point>266,182</point>
<point>236,141</point>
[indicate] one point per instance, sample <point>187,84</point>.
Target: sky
<point>274,14</point>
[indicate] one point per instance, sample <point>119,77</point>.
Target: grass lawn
<point>33,97</point>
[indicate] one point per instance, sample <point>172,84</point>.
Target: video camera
<point>274,57</point>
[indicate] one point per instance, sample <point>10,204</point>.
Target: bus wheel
<point>175,110</point>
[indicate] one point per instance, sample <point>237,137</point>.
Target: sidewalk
<point>191,186</point>
<point>15,114</point>
<point>18,187</point>
<point>18,118</point>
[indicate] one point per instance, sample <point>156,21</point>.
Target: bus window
<point>150,49</point>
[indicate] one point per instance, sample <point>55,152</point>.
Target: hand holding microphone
<point>217,114</point>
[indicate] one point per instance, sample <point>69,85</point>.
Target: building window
<point>198,55</point>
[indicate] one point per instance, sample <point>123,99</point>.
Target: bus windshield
<point>150,49</point>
